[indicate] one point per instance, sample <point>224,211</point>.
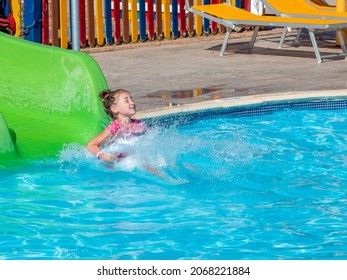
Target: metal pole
<point>75,25</point>
<point>341,7</point>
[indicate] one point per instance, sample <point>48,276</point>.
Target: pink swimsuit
<point>136,127</point>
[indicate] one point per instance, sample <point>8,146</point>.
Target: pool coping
<point>239,101</point>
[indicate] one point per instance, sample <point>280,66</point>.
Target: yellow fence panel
<point>99,23</point>
<point>63,24</point>
<point>167,19</point>
<point>16,13</point>
<point>134,21</point>
<point>198,20</point>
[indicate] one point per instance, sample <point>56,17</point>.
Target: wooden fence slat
<point>45,22</point>
<point>99,22</point>
<point>134,21</point>
<point>116,18</point>
<point>174,18</point>
<point>222,28</point>
<point>206,22</point>
<point>82,20</point>
<point>91,24</point>
<point>214,25</point>
<point>108,22</point>
<point>63,24</point>
<point>150,19</point>
<point>198,20</point>
<point>159,18</point>
<point>125,15</point>
<point>167,19</point>
<point>32,20</point>
<point>55,23</point>
<point>16,15</point>
<point>182,16</point>
<point>247,5</point>
<point>142,8</point>
<point>191,21</point>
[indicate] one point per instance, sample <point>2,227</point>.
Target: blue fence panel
<point>174,16</point>
<point>239,3</point>
<point>206,22</point>
<point>108,22</point>
<point>32,20</point>
<point>142,8</point>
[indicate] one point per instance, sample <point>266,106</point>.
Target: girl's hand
<point>112,157</point>
<point>106,157</point>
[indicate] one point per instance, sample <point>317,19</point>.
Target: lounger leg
<point>321,57</point>
<point>315,46</point>
<point>342,42</point>
<point>225,42</point>
<point>297,38</point>
<point>283,37</point>
<point>254,37</point>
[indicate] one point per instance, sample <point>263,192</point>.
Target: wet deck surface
<point>188,70</point>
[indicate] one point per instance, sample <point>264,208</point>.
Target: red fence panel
<point>117,23</point>
<point>45,22</point>
<point>82,19</point>
<point>182,18</point>
<point>159,17</point>
<point>150,19</point>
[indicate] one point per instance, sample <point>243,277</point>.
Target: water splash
<point>72,157</point>
<point>167,153</point>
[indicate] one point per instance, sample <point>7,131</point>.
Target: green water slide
<point>48,98</point>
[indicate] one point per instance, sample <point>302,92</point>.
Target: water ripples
<point>271,187</point>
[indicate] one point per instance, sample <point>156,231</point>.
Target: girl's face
<point>125,105</point>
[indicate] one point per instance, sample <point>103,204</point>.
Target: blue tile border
<point>249,110</point>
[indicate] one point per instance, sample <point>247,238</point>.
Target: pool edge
<point>239,101</point>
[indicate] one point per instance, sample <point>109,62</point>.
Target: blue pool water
<point>250,183</point>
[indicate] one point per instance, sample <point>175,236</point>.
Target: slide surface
<point>48,98</point>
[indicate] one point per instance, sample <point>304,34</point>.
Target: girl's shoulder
<point>114,126</point>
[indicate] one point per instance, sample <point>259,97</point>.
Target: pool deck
<point>185,74</point>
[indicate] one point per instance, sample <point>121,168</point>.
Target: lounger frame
<point>235,24</point>
<point>321,5</point>
<point>312,12</point>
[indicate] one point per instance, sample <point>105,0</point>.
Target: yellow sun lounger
<point>301,8</point>
<point>233,18</point>
<point>321,5</point>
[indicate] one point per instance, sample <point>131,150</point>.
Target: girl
<point>120,106</point>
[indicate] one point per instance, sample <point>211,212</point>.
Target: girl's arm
<point>93,146</point>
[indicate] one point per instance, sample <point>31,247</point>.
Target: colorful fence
<point>111,21</point>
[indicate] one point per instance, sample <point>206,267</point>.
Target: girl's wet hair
<point>109,98</point>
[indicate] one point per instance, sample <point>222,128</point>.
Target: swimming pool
<point>257,182</point>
